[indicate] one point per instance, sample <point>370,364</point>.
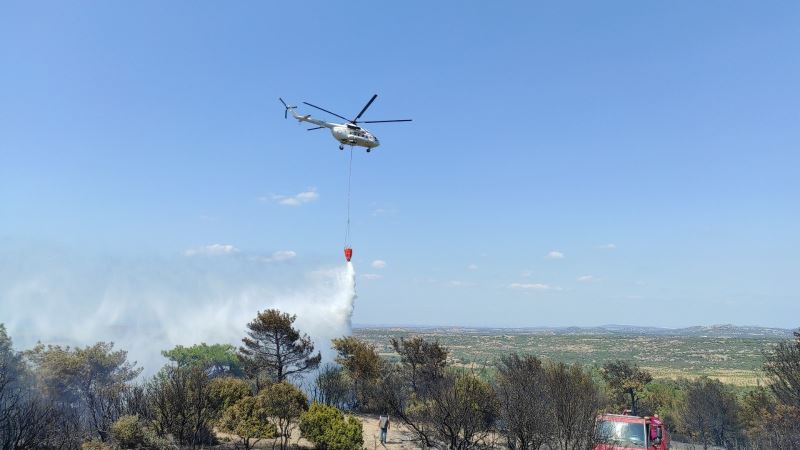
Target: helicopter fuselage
<point>345,133</point>
<point>354,135</point>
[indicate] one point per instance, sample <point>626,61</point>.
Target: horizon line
<point>559,327</point>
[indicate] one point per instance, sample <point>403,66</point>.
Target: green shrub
<point>131,432</point>
<point>96,445</point>
<point>284,404</point>
<point>345,435</point>
<point>154,442</point>
<point>329,429</point>
<point>316,420</point>
<point>128,432</point>
<point>249,420</point>
<point>226,391</point>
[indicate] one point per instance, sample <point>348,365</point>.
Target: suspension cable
<point>349,182</point>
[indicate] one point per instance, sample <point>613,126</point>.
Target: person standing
<point>383,424</point>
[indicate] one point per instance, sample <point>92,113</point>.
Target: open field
<point>732,357</point>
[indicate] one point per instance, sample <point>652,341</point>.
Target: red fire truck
<point>623,432</point>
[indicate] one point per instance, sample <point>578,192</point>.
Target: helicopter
<point>348,133</point>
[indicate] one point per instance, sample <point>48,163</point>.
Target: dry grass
<point>742,378</point>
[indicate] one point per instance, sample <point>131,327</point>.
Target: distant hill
<point>717,331</point>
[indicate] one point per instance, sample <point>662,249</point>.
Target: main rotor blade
<point>365,108</point>
<point>382,121</point>
<point>329,112</point>
<point>315,128</point>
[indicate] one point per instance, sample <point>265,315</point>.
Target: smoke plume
<point>148,305</point>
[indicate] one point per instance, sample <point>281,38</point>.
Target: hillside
<point>730,353</point>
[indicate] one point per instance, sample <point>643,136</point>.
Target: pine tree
<point>275,349</point>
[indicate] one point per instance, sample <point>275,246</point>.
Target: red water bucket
<point>348,253</point>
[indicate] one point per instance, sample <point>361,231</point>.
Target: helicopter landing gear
<point>341,147</point>
<point>368,150</point>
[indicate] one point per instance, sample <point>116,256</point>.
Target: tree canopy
<point>275,349</point>
<point>218,359</point>
<point>94,377</point>
<point>710,413</point>
<point>625,378</point>
<point>284,403</point>
<point>525,402</point>
<point>362,365</point>
<point>782,366</point>
<point>425,360</point>
<point>248,419</point>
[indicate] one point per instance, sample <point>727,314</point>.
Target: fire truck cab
<point>623,432</point>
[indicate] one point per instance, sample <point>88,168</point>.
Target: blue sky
<point>569,163</point>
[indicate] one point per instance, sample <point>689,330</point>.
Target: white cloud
<point>588,279</point>
<point>533,287</point>
<point>293,200</point>
<point>472,267</point>
<point>458,283</point>
<point>379,264</point>
<point>554,254</point>
<point>371,276</point>
<point>212,250</point>
<point>283,255</point>
<point>607,247</point>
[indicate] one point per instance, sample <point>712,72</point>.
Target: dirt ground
<point>399,438</point>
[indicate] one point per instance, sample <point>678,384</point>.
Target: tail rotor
<point>286,112</point>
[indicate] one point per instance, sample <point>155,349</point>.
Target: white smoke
<point>146,306</point>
